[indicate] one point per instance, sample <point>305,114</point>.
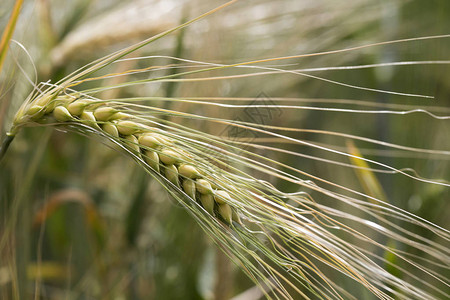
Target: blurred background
<point>86,222</point>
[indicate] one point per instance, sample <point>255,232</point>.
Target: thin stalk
<point>5,145</point>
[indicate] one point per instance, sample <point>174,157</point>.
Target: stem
<point>5,145</point>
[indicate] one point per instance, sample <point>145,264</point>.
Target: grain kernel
<point>222,197</point>
<point>152,159</point>
<point>35,111</point>
<point>120,115</point>
<point>225,212</point>
<point>207,201</point>
<point>149,140</point>
<point>171,173</point>
<point>50,107</point>
<point>133,143</point>
<point>203,186</point>
<point>88,116</point>
<point>188,171</point>
<point>76,108</point>
<point>163,140</point>
<point>235,217</point>
<point>62,114</point>
<point>128,127</point>
<point>104,113</point>
<point>169,157</point>
<point>189,188</point>
<point>111,129</point>
<point>44,100</point>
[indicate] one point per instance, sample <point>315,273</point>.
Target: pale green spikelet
<point>89,118</point>
<point>171,173</point>
<point>62,114</point>
<point>225,212</point>
<point>104,113</point>
<point>207,201</point>
<point>188,171</point>
<point>76,108</point>
<point>222,197</point>
<point>149,140</point>
<point>170,157</point>
<point>128,127</point>
<point>235,216</point>
<point>152,159</point>
<point>189,188</point>
<point>35,112</point>
<point>132,143</point>
<point>203,186</point>
<point>111,129</point>
<point>34,109</point>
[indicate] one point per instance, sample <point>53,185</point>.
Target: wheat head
<point>153,145</point>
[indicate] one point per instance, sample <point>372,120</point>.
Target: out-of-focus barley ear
<point>7,34</point>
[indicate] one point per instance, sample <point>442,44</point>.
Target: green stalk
<point>6,142</point>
